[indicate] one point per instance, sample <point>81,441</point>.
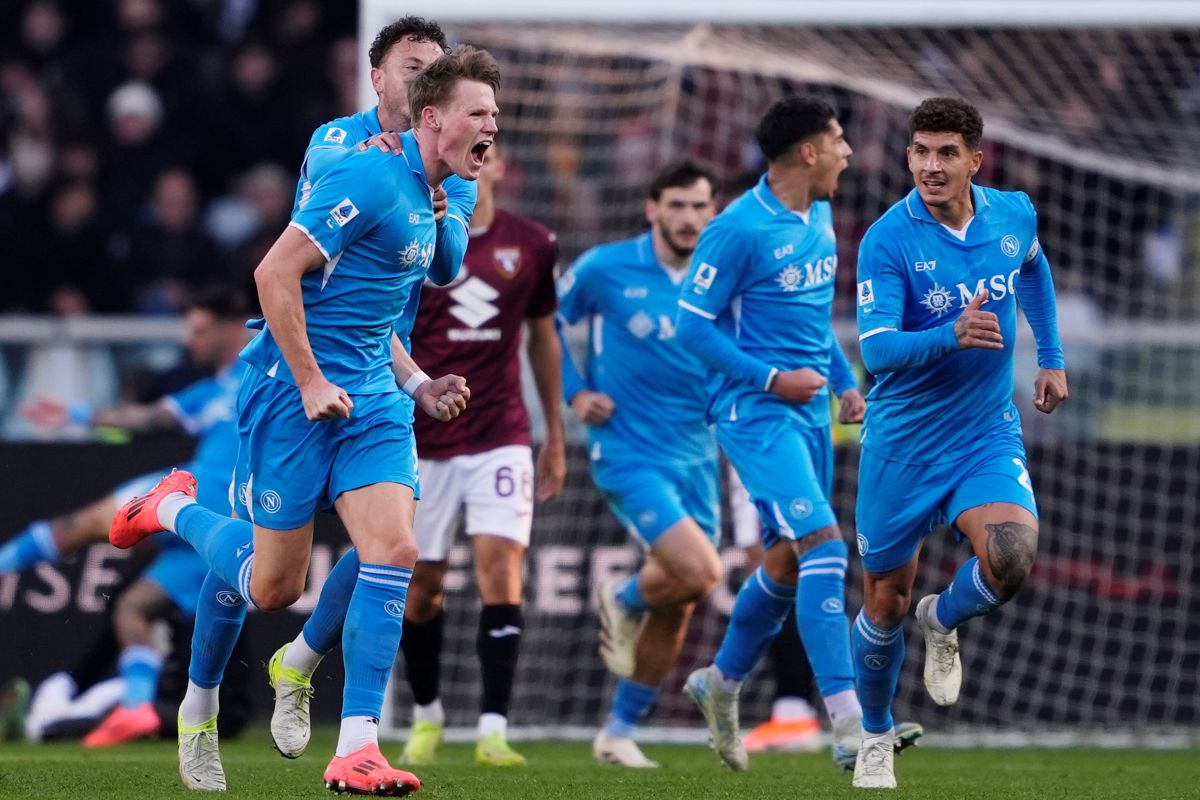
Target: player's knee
<point>887,603</point>
<point>402,552</point>
<point>425,599</point>
<point>276,596</point>
<point>1011,549</point>
<point>697,577</point>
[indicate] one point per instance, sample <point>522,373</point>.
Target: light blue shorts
<point>650,498</point>
<point>288,467</point>
<point>787,467</point>
<point>899,504</point>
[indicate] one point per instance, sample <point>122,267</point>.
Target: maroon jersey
<point>473,328</point>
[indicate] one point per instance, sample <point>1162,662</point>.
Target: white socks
<point>728,684</point>
<point>169,508</point>
<point>302,658</point>
<point>842,704</point>
<point>493,723</point>
<point>430,713</point>
<point>199,705</point>
<point>357,733</point>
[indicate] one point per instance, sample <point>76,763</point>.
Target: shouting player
<point>205,409</point>
<point>321,419</point>
<point>939,278</point>
<point>756,309</point>
<point>660,478</point>
<point>483,461</point>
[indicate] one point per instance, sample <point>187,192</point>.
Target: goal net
<point>1100,126</point>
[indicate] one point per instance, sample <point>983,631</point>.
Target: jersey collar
<point>410,146</point>
<point>370,119</point>
<point>763,194</point>
<point>918,210</point>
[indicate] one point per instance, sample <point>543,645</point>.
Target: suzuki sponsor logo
<point>473,303</point>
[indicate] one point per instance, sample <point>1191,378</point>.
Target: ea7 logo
<point>785,251</point>
<point>925,266</point>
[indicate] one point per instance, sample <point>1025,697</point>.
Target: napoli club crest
<point>508,260</point>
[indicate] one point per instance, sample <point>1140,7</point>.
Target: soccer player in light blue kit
<point>204,409</point>
<point>939,278</point>
<point>660,479</point>
<point>756,309</point>
<point>400,50</point>
<point>321,419</point>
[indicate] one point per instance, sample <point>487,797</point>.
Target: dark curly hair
<point>948,115</point>
<point>791,120</point>
<point>410,28</point>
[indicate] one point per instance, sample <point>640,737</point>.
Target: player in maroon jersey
<point>483,460</point>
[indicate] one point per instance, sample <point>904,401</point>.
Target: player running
<point>205,409</point>
<point>321,418</point>
<point>483,461</point>
<point>939,278</point>
<point>756,310</point>
<point>656,461</point>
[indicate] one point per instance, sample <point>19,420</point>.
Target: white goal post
<point>1093,108</point>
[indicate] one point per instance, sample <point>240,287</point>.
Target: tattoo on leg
<point>818,537</point>
<point>1011,547</point>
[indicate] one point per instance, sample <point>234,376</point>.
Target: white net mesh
<point>1101,128</point>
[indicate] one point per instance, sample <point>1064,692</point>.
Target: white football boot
<point>943,668</point>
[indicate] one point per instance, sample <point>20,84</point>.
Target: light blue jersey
<point>335,139</point>
<point>371,217</point>
<point>915,274</point>
<point>765,274</point>
<point>656,385</point>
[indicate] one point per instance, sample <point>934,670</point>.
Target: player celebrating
<point>471,327</point>
<point>660,480</point>
<point>321,418</point>
<point>942,439</point>
<point>205,409</point>
<point>756,310</point>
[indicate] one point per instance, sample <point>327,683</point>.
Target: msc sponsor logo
<point>640,325</point>
<point>938,300</point>
<point>792,278</point>
<point>416,253</point>
<point>999,286</point>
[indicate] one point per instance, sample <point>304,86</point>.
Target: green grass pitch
<point>566,770</point>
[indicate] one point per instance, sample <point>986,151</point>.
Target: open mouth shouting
<point>479,151</point>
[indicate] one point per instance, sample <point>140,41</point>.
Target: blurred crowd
<point>150,147</point>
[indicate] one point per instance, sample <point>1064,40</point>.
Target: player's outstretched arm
<point>135,417</point>
<point>545,359</point>
<point>278,281</point>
